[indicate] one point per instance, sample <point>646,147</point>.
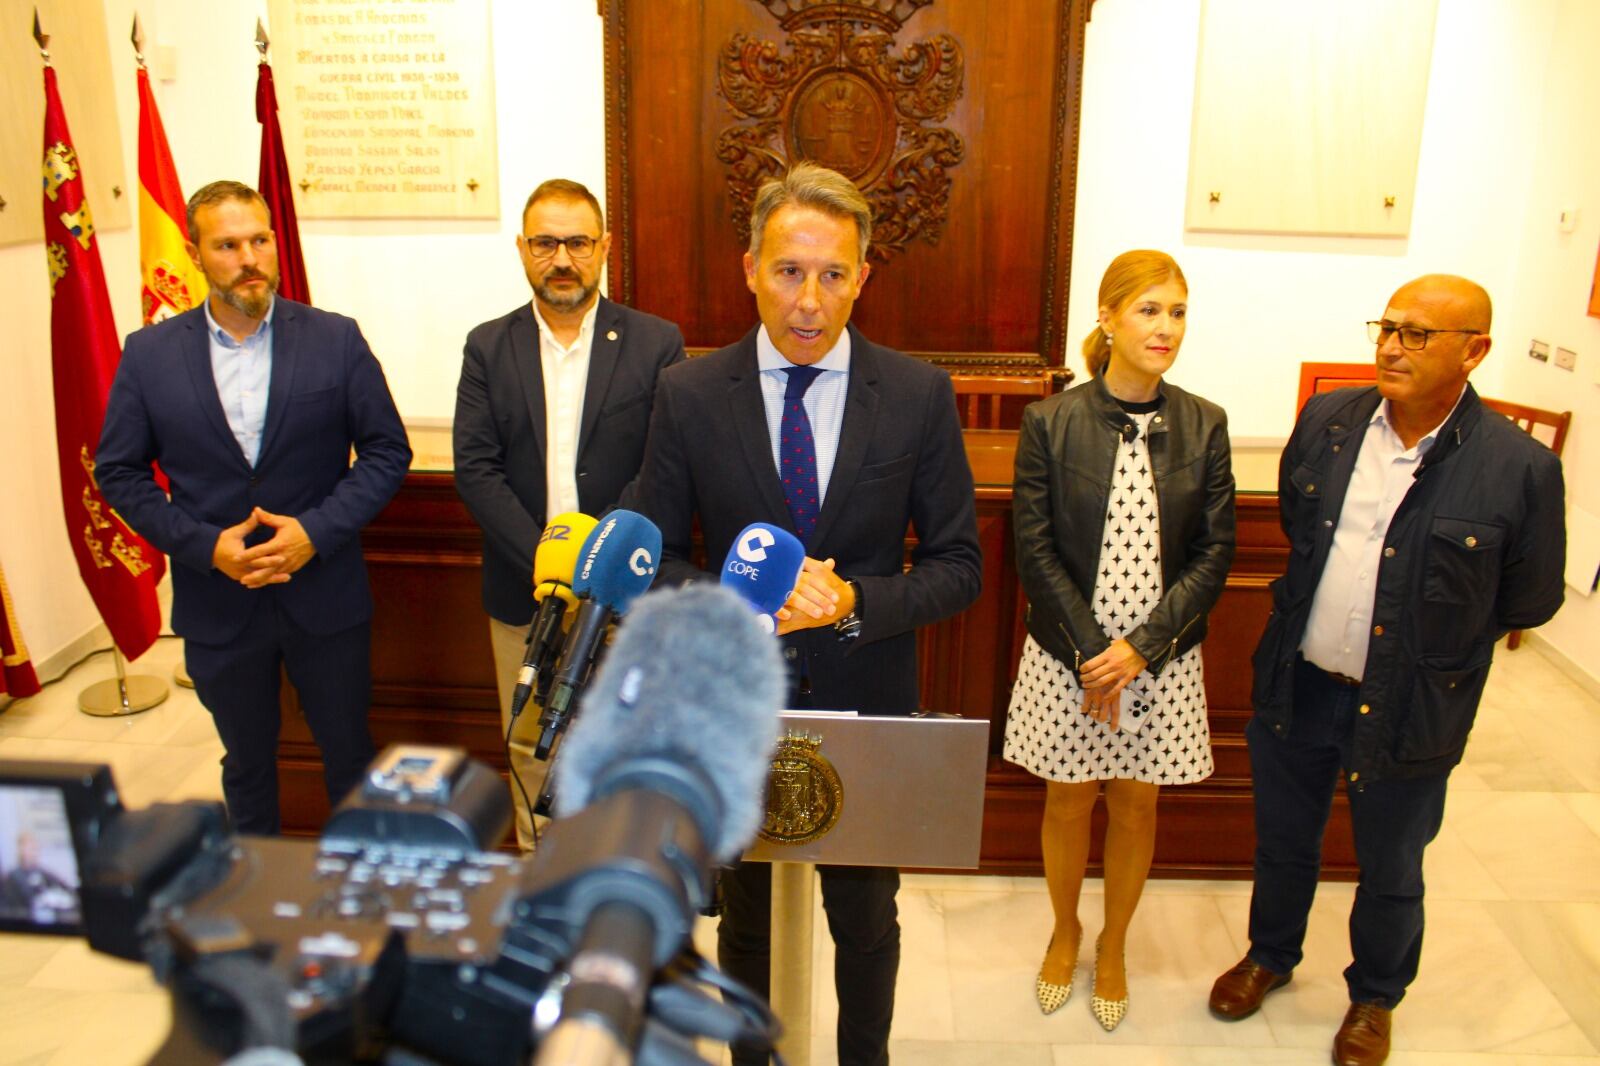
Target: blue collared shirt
<point>242,371</point>
<point>824,400</point>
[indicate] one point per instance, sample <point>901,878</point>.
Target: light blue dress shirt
<point>824,400</point>
<point>242,371</point>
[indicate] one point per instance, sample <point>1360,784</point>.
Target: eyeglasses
<point>542,247</point>
<point>1412,338</point>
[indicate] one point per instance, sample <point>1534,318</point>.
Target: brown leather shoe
<point>1363,1038</point>
<point>1239,992</point>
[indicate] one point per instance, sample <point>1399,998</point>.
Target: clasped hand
<point>820,598</point>
<point>1105,676</point>
<point>271,562</point>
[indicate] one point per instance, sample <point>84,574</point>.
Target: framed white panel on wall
<point>82,58</point>
<point>1308,116</point>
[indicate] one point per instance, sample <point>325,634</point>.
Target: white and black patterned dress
<point>1047,732</point>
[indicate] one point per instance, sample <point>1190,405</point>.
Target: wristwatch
<point>848,628</point>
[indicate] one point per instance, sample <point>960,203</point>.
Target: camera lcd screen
<point>39,879</point>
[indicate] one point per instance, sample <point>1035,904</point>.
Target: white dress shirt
<point>242,371</point>
<point>1340,623</point>
<point>566,376</point>
<point>824,401</point>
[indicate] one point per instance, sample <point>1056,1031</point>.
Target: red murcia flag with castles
<point>120,569</point>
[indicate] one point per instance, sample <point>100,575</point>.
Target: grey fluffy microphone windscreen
<point>691,677</point>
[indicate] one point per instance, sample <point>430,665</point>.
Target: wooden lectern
<point>857,791</point>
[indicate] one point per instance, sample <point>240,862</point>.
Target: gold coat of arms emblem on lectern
<point>804,793</point>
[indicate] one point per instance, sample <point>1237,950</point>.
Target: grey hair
<point>810,185</point>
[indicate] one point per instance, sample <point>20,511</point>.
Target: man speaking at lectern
<point>251,405</point>
<point>551,413</point>
<point>806,424</point>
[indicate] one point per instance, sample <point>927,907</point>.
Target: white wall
<point>1554,271</point>
<point>1261,305</point>
<point>1512,104</point>
<point>1508,141</point>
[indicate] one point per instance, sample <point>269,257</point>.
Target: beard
<point>569,300</point>
<point>253,306</point>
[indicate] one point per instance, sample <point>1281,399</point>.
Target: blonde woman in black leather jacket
<point>1123,507</point>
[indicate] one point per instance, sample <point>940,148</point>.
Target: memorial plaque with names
<point>387,107</point>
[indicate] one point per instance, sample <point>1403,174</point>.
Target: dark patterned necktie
<point>798,451</point>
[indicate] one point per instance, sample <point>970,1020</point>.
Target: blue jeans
<point>1392,821</point>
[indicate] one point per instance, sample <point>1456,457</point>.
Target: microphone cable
<point>516,779</point>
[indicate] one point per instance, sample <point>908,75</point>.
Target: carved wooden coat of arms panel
<point>839,93</point>
<point>958,120</point>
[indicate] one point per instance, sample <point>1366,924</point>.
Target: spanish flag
<point>172,283</point>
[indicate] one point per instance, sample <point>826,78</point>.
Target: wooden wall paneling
<point>432,670</point>
<point>1205,829</point>
<point>684,75</point>
<point>433,675</point>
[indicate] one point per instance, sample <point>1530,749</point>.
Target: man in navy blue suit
<point>251,405</point>
<point>807,424</point>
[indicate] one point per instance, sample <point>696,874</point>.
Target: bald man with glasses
<point>551,413</point>
<point>1423,527</point>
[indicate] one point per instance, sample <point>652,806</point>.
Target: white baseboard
<point>51,667</point>
<point>1583,678</point>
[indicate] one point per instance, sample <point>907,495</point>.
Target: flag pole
<point>180,672</point>
<point>42,37</point>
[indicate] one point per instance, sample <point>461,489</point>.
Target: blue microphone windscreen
<point>762,566</point>
<point>618,560</point>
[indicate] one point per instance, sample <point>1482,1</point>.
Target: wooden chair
<point>1325,377</point>
<point>973,389</point>
<point>1547,427</point>
<point>1541,424</point>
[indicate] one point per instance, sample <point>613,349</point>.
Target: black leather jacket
<point>1065,455</point>
<point>1476,548</point>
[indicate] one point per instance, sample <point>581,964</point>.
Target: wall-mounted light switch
<point>1566,359</point>
<point>1539,350</point>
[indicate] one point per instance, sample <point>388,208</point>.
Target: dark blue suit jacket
<point>327,394</point>
<point>499,434</point>
<point>901,465</point>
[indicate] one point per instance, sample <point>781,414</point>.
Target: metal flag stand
<point>122,695</point>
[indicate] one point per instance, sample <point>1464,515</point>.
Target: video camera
<point>399,936</point>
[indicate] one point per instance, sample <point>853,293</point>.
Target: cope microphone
<point>663,774</point>
<point>616,565</point>
<point>554,562</point>
<point>762,567</point>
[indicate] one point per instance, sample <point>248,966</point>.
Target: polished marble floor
<point>1510,973</point>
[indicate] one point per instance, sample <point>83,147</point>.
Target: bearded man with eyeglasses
<point>551,414</point>
<point>1423,526</point>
